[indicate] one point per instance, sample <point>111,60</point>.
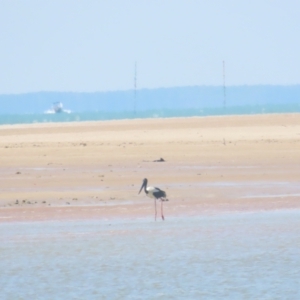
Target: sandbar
<point>206,165</point>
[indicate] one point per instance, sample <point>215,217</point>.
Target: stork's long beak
<point>142,187</point>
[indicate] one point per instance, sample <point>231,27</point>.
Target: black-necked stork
<point>156,193</point>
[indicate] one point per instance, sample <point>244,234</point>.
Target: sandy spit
<point>95,169</point>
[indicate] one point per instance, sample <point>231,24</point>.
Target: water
<point>154,113</point>
<point>224,256</point>
<point>150,103</point>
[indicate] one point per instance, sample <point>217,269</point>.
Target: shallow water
<point>169,111</point>
<point>224,256</point>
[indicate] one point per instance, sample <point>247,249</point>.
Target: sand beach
<point>93,170</point>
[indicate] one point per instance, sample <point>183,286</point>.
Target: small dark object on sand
<point>159,160</point>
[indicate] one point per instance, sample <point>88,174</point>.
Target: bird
<point>156,194</point>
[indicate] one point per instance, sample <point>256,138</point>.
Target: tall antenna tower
<point>224,85</point>
<point>135,86</point>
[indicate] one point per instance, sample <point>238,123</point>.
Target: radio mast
<point>224,85</point>
<point>135,85</point>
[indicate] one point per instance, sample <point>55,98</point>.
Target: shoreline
<point>93,122</point>
<point>93,213</point>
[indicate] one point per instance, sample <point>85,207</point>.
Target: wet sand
<point>95,169</point>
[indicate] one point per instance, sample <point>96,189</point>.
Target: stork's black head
<point>144,185</point>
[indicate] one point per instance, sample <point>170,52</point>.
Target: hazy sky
<point>92,45</point>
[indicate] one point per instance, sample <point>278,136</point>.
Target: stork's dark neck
<point>145,186</point>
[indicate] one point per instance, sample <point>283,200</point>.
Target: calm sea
<point>224,256</point>
<point>163,113</point>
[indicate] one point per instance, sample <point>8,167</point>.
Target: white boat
<point>57,108</point>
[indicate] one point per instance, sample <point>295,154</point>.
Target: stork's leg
<point>155,208</point>
<point>161,209</point>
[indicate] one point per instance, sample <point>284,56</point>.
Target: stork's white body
<point>150,190</point>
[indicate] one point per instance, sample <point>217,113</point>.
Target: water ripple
<point>232,256</point>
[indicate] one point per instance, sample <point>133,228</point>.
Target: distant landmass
<point>148,103</point>
<point>176,98</point>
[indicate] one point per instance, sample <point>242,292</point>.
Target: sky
<point>93,45</point>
